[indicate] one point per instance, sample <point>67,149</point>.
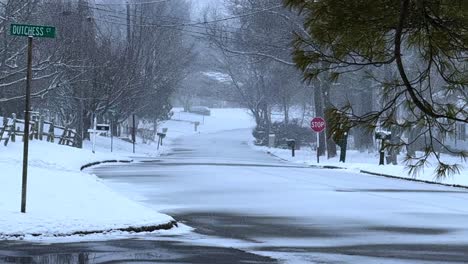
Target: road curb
<point>412,179</point>
<point>310,166</point>
<point>132,229</point>
<point>103,162</point>
<point>379,174</point>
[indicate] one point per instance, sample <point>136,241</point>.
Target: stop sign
<point>317,124</point>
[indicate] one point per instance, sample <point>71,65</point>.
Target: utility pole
<point>81,89</point>
<point>133,132</point>
<point>94,131</point>
<point>112,131</point>
<point>128,26</point>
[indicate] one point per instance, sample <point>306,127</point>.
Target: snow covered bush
<point>283,131</point>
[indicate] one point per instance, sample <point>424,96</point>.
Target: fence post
<point>51,135</point>
<point>13,129</point>
<point>62,138</point>
<point>33,127</point>
<point>40,131</point>
<point>75,139</point>
<point>4,128</point>
<point>36,127</point>
<point>65,139</point>
<point>69,136</point>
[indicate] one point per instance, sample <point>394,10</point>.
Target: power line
<point>205,22</point>
<point>198,25</point>
<point>192,22</point>
<point>134,3</point>
<point>203,34</point>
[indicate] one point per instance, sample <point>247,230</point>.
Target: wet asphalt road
<point>123,251</point>
<point>233,224</point>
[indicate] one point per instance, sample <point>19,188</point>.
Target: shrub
<point>283,131</point>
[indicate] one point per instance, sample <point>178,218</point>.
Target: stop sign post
<point>318,125</point>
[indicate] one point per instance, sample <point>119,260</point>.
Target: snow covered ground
<point>227,119</point>
<point>358,161</point>
<point>63,200</point>
<point>219,120</point>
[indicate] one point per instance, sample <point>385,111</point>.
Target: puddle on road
<point>123,251</point>
<point>88,258</point>
<point>250,227</point>
<point>411,230</point>
<point>182,150</point>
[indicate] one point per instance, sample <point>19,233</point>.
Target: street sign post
<point>318,125</point>
<point>29,31</point>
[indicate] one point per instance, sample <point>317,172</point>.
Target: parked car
<point>201,110</point>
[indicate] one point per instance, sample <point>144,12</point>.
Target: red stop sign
<point>317,124</point>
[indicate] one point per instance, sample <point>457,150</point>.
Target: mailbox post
<point>292,145</point>
<point>382,136</point>
<point>104,128</point>
<point>97,130</point>
<point>160,139</point>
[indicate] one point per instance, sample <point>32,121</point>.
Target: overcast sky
<point>203,3</point>
<point>200,5</point>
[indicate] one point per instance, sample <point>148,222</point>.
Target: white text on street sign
<point>32,31</point>
<point>317,124</point>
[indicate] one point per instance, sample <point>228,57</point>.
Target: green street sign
<point>32,30</point>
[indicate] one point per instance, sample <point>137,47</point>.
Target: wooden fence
<point>39,130</point>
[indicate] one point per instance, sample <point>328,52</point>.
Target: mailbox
<point>383,135</point>
<point>291,143</point>
<point>103,127</point>
<point>160,139</point>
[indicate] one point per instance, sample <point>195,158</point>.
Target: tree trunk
<point>343,147</point>
<point>331,146</point>
<point>363,137</point>
<point>286,111</point>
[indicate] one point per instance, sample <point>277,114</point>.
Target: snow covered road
<point>245,199</point>
<point>245,204</point>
